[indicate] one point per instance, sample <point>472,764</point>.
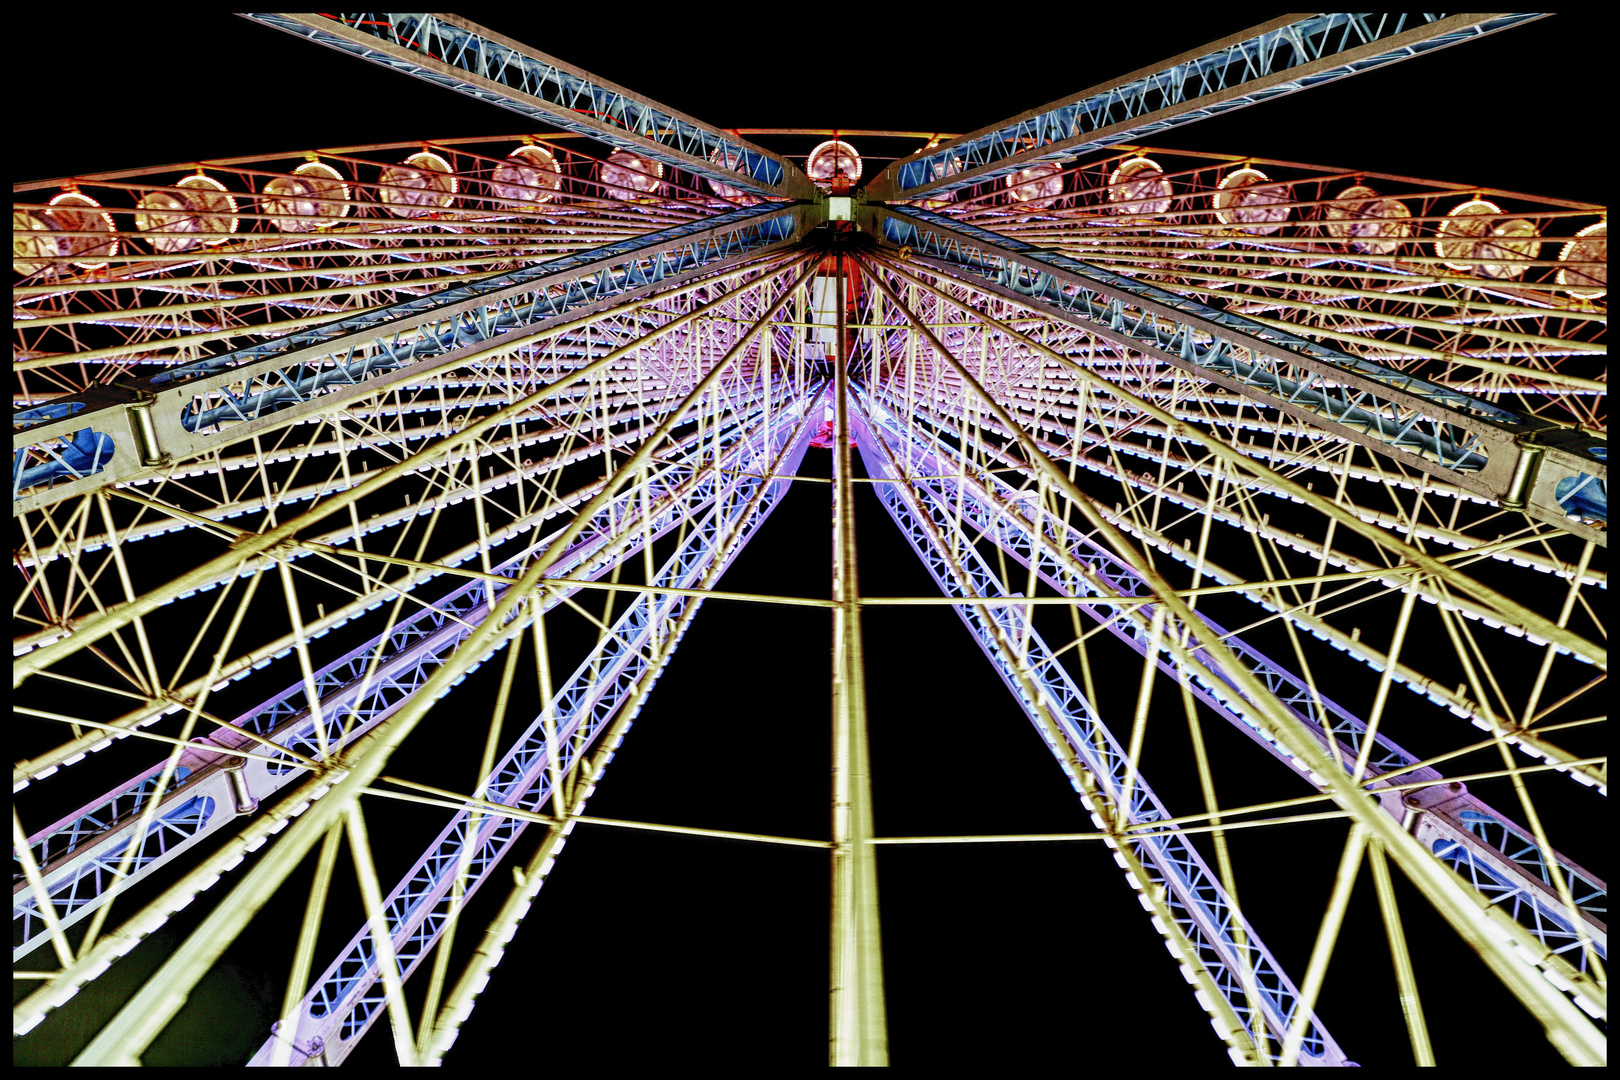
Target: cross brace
<point>114,433</point>
<point>1494,855</point>
<point>1288,54</point>
<point>451,52</point>
<point>615,678</point>
<point>356,691</point>
<point>1521,462</point>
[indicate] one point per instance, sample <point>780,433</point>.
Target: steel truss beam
<point>1493,854</point>
<point>111,434</point>
<point>78,855</point>
<point>857,1027</point>
<point>462,56</point>
<point>1510,951</point>
<point>1288,54</point>
<point>1215,946</point>
<point>1518,461</point>
<point>614,679</point>
<point>625,407</point>
<point>1528,740</point>
<point>1101,426</point>
<point>1038,460</point>
<point>249,547</point>
<point>329,796</point>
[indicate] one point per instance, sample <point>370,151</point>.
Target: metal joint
<point>1524,472</point>
<point>147,447</point>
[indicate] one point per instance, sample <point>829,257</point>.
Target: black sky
<point>645,950</point>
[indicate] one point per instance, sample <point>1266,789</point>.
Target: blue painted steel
<point>1216,82</point>
<point>350,995</point>
<point>84,453</point>
<point>1529,907</point>
<point>1195,896</point>
<point>82,892</point>
<point>1513,869</point>
<point>1585,495</point>
<point>368,683</point>
<point>1158,319</point>
<point>550,92</point>
<point>633,410</point>
<point>1469,441</point>
<point>291,371</point>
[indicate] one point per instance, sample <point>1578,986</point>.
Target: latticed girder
<point>1215,945</point>
<point>941,417</point>
<point>1504,945</point>
<point>1275,58</point>
<point>503,468</point>
<point>112,434</point>
<point>78,856</point>
<point>1497,294</point>
<point>1016,444</point>
<point>1263,593</point>
<point>462,56</point>
<point>965,502</point>
<point>1516,460</point>
<point>328,798</point>
<point>434,647</point>
<point>613,681</point>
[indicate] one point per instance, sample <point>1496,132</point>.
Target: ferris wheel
<point>369,489</point>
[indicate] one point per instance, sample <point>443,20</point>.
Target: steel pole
<point>858,1031</point>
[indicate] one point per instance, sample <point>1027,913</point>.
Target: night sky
<point>645,949</point>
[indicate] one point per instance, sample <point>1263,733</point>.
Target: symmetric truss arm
<point>734,400</point>
<point>614,679</point>
<point>1290,53</point>
<point>432,343</point>
<point>1496,855</point>
<point>1219,954</point>
<point>139,426</point>
<point>79,856</point>
<point>1519,461</point>
<point>1560,920</point>
<point>469,59</point>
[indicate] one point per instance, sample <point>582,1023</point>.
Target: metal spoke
<point>1274,494</point>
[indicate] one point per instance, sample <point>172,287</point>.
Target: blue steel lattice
<point>606,683</point>
<point>1013,540</point>
<point>1193,894</point>
<point>369,682</point>
<point>946,482</point>
<point>1229,78</point>
<point>287,375</point>
<point>1171,324</point>
<point>575,101</point>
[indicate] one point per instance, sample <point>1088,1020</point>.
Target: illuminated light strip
<point>39,639</point>
<point>1526,948</point>
<point>583,708</point>
<point>294,374</point>
<point>604,544</point>
<point>1461,605</point>
<point>1278,57</point>
<point>482,64</point>
<point>1149,453</point>
<point>1526,741</point>
<point>160,527</point>
<point>1459,822</point>
<point>255,545</point>
<point>119,942</point>
<point>1191,891</point>
<point>1516,459</point>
